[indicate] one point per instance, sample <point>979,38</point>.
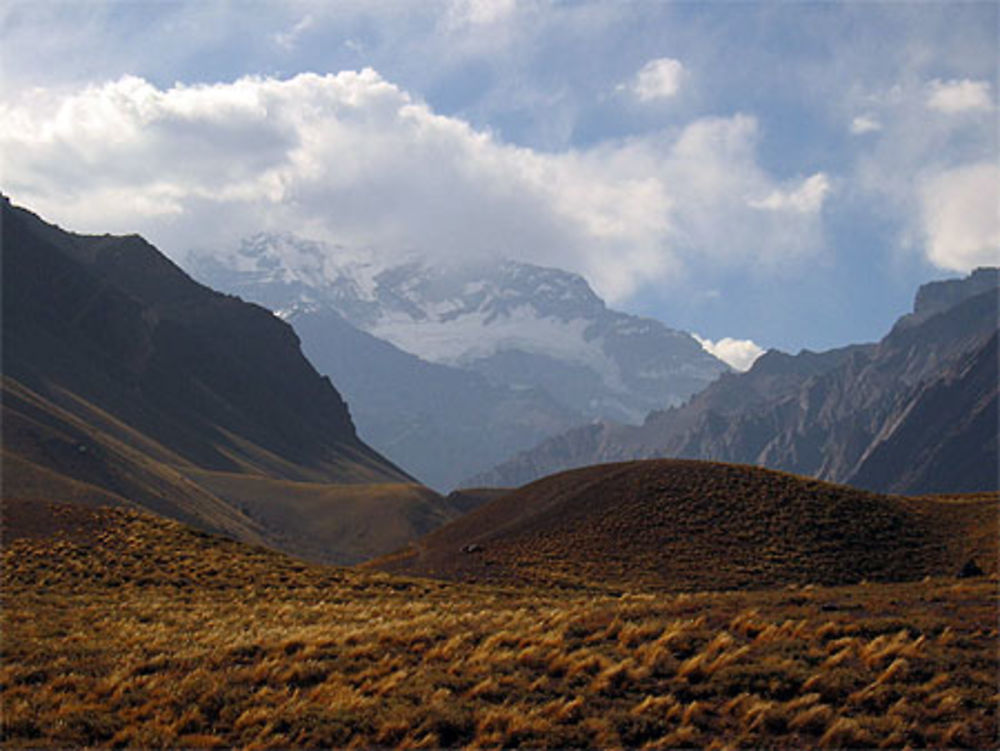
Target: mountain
<point>440,422</point>
<point>531,351</point>
<point>125,381</point>
<point>915,413</point>
<point>692,525</point>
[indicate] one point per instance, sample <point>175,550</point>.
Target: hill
<point>915,413</point>
<point>689,525</point>
<point>126,382</point>
<point>122,629</point>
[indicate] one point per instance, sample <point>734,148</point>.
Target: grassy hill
<point>689,525</point>
<point>124,629</point>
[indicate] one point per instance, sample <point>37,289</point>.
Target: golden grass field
<point>122,629</point>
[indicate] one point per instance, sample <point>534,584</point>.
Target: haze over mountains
<point>914,413</point>
<point>126,382</point>
<point>426,356</point>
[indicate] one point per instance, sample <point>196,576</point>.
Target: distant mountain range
<point>915,413</point>
<point>426,356</point>
<point>126,382</point>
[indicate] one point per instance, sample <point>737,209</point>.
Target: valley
<point>200,551</point>
<point>499,374</point>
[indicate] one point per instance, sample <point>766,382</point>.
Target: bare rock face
<point>916,412</point>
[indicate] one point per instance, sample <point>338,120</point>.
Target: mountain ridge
<point>814,413</point>
<point>123,379</point>
<point>534,349</point>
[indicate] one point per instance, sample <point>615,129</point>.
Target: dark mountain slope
<point>823,415</point>
<point>944,438</point>
<point>690,525</point>
<point>122,373</point>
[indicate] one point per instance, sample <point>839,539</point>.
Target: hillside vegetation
<point>689,525</point>
<point>123,629</point>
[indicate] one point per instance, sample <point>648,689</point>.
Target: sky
<point>761,174</point>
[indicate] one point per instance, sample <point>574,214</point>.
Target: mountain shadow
<point>125,381</point>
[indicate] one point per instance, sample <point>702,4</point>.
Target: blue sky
<point>786,172</point>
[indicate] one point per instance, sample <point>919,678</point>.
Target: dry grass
<point>692,525</point>
<point>127,630</point>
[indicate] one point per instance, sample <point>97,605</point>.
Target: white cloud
<point>961,213</point>
<point>737,353</point>
<point>865,124</point>
<point>959,96</point>
<point>658,79</point>
<point>289,39</point>
<point>805,199</point>
<point>352,159</point>
<point>461,13</point>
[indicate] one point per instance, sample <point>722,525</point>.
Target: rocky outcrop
<point>890,416</point>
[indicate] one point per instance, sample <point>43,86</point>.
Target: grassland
<point>122,629</point>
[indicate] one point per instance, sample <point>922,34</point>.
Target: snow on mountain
<point>518,324</point>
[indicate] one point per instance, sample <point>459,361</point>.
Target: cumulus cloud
<point>965,95</point>
<point>805,199</point>
<point>737,353</point>
<point>865,124</point>
<point>352,159</point>
<point>658,79</point>
<point>961,217</point>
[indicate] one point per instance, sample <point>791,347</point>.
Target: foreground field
<point>120,629</point>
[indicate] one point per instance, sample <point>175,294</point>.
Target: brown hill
<point>126,382</point>
<point>126,630</point>
<point>690,525</point>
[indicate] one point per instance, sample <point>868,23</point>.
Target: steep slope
<point>539,350</point>
<point>943,437</point>
<point>123,379</point>
<point>825,415</point>
<point>690,525</point>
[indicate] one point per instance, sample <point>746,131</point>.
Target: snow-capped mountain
<point>520,325</point>
<point>449,371</point>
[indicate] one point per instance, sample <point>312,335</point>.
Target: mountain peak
<point>518,324</point>
<point>936,297</point>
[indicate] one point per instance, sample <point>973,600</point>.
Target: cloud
<point>353,159</point>
<point>658,79</point>
<point>952,97</point>
<point>289,39</point>
<point>865,124</point>
<point>737,353</point>
<point>462,13</point>
<point>961,218</point>
<point>806,199</point>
